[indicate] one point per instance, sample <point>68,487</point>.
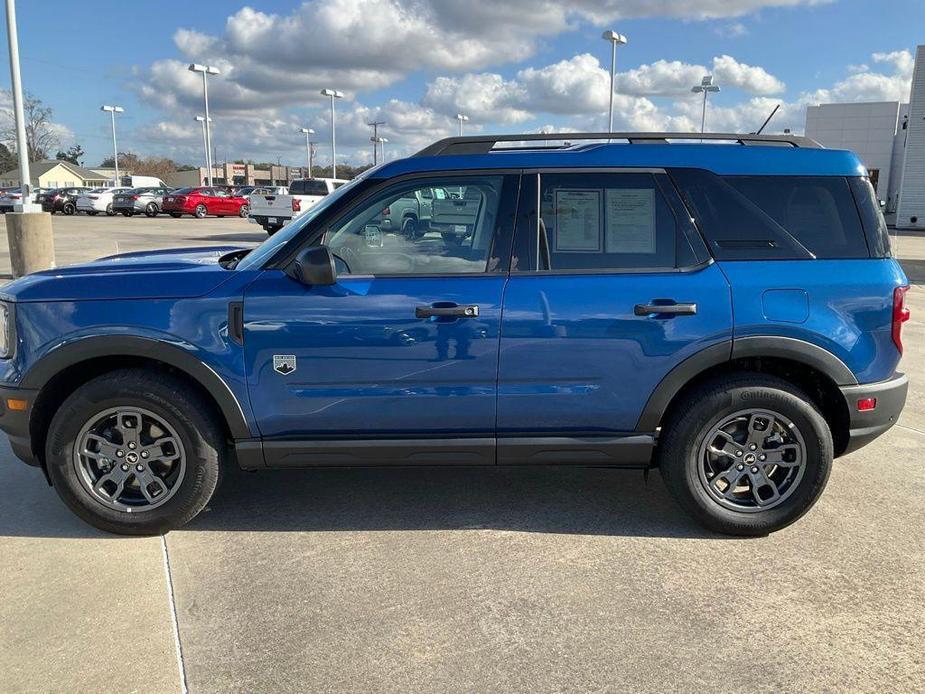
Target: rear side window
<point>308,188</point>
<point>878,235</point>
<point>604,222</point>
<point>774,217</point>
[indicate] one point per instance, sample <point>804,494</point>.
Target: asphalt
<point>457,580</point>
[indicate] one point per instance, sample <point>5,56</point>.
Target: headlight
<point>6,331</point>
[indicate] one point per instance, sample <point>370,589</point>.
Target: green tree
<point>7,159</point>
<point>74,154</point>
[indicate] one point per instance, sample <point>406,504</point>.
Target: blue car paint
<point>850,307</point>
<point>575,357</point>
<point>365,364</point>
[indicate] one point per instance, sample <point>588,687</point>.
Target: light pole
<point>308,132</point>
<point>25,178</point>
<point>205,140</point>
<point>461,117</point>
<point>615,40</point>
<point>113,110</point>
<point>705,87</point>
<point>334,94</point>
<point>379,142</point>
<point>206,70</point>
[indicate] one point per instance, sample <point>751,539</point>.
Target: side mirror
<point>314,266</point>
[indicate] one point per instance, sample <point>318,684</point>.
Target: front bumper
<point>15,423</point>
<point>864,427</point>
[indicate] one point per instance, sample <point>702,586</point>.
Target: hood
<point>166,274</point>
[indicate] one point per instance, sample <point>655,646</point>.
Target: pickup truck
<point>450,212</point>
<point>273,211</point>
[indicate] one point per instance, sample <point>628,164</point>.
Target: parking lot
<point>452,580</point>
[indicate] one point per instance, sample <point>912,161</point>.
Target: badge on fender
<point>284,363</point>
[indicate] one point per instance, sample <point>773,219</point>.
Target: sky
<point>510,65</point>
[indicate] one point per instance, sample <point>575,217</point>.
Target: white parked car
<point>98,200</point>
<point>273,211</point>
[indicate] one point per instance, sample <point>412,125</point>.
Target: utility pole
<point>375,139</point>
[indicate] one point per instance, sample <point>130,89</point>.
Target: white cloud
<point>866,85</point>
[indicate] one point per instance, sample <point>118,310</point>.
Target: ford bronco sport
<point>727,312</point>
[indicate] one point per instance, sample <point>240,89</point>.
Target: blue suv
<point>727,311</point>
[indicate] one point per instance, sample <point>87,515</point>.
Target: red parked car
<point>204,201</point>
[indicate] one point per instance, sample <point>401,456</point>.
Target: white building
<point>889,137</point>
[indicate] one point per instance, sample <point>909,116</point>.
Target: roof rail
<point>482,144</point>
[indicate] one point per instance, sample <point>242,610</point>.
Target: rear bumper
<point>864,427</point>
<point>15,423</point>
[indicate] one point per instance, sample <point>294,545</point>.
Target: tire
<point>409,228</point>
<point>686,454</point>
<point>109,211</point>
<point>201,211</point>
<point>151,396</point>
<point>272,230</point>
<point>244,211</point>
<point>127,213</point>
<point>176,215</point>
<point>69,209</point>
<point>151,210</point>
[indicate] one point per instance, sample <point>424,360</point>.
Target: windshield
<point>268,248</point>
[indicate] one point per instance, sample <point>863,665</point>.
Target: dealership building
<point>889,137</point>
<point>238,175</point>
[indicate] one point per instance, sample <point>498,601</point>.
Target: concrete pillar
<point>32,242</point>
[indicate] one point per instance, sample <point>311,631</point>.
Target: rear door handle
<point>446,311</point>
<point>667,309</point>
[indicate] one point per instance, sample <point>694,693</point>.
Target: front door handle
<point>470,311</point>
<point>666,309</point>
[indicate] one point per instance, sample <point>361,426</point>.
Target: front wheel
<point>127,213</point>
<point>201,211</point>
<point>69,209</point>
<point>151,210</point>
<point>746,454</point>
<point>134,452</point>
<point>244,211</point>
<point>109,211</point>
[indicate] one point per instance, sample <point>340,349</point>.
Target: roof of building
<point>39,168</point>
<point>723,154</point>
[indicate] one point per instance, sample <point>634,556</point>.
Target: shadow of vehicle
<point>239,237</point>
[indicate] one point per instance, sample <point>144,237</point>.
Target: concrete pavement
<point>468,580</point>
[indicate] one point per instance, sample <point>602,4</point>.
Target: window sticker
<point>630,215</point>
<point>578,221</point>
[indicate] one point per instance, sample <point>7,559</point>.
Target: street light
<point>379,142</point>
<point>334,94</point>
<point>461,118</point>
<point>206,70</point>
<point>113,110</point>
<point>308,132</point>
<point>615,40</point>
<point>705,87</point>
<point>205,140</point>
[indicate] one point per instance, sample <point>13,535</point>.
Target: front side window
<point>399,233</point>
<point>604,221</point>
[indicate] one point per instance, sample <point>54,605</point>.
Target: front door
<point>611,288</point>
<point>404,345</point>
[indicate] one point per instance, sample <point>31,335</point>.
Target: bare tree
<point>40,135</point>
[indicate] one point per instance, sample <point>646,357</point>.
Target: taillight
<point>135,197</point>
<point>386,212</point>
<point>900,315</point>
<point>296,205</point>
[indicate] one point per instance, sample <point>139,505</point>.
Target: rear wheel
<point>272,230</point>
<point>746,454</point>
<point>244,211</point>
<point>151,210</point>
<point>134,452</point>
<point>68,208</point>
<point>409,228</point>
<point>201,211</point>
<point>109,211</point>
<point>127,213</point>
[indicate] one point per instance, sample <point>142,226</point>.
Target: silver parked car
<point>149,200</point>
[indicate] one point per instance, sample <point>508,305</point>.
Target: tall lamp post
<point>205,140</point>
<point>615,40</point>
<point>705,87</point>
<point>334,94</point>
<point>113,110</point>
<point>308,132</point>
<point>206,70</point>
<point>461,117</point>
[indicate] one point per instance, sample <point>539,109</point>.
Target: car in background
<point>274,211</point>
<point>148,200</point>
<point>243,191</point>
<point>13,196</point>
<point>62,199</point>
<point>99,200</point>
<point>202,201</point>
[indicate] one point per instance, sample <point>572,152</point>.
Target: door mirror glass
<point>313,266</point>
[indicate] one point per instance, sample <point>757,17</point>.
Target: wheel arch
<point>57,374</point>
<point>810,367</point>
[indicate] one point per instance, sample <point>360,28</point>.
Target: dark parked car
<point>62,199</point>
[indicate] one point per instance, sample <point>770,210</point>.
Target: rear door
<point>611,288</point>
